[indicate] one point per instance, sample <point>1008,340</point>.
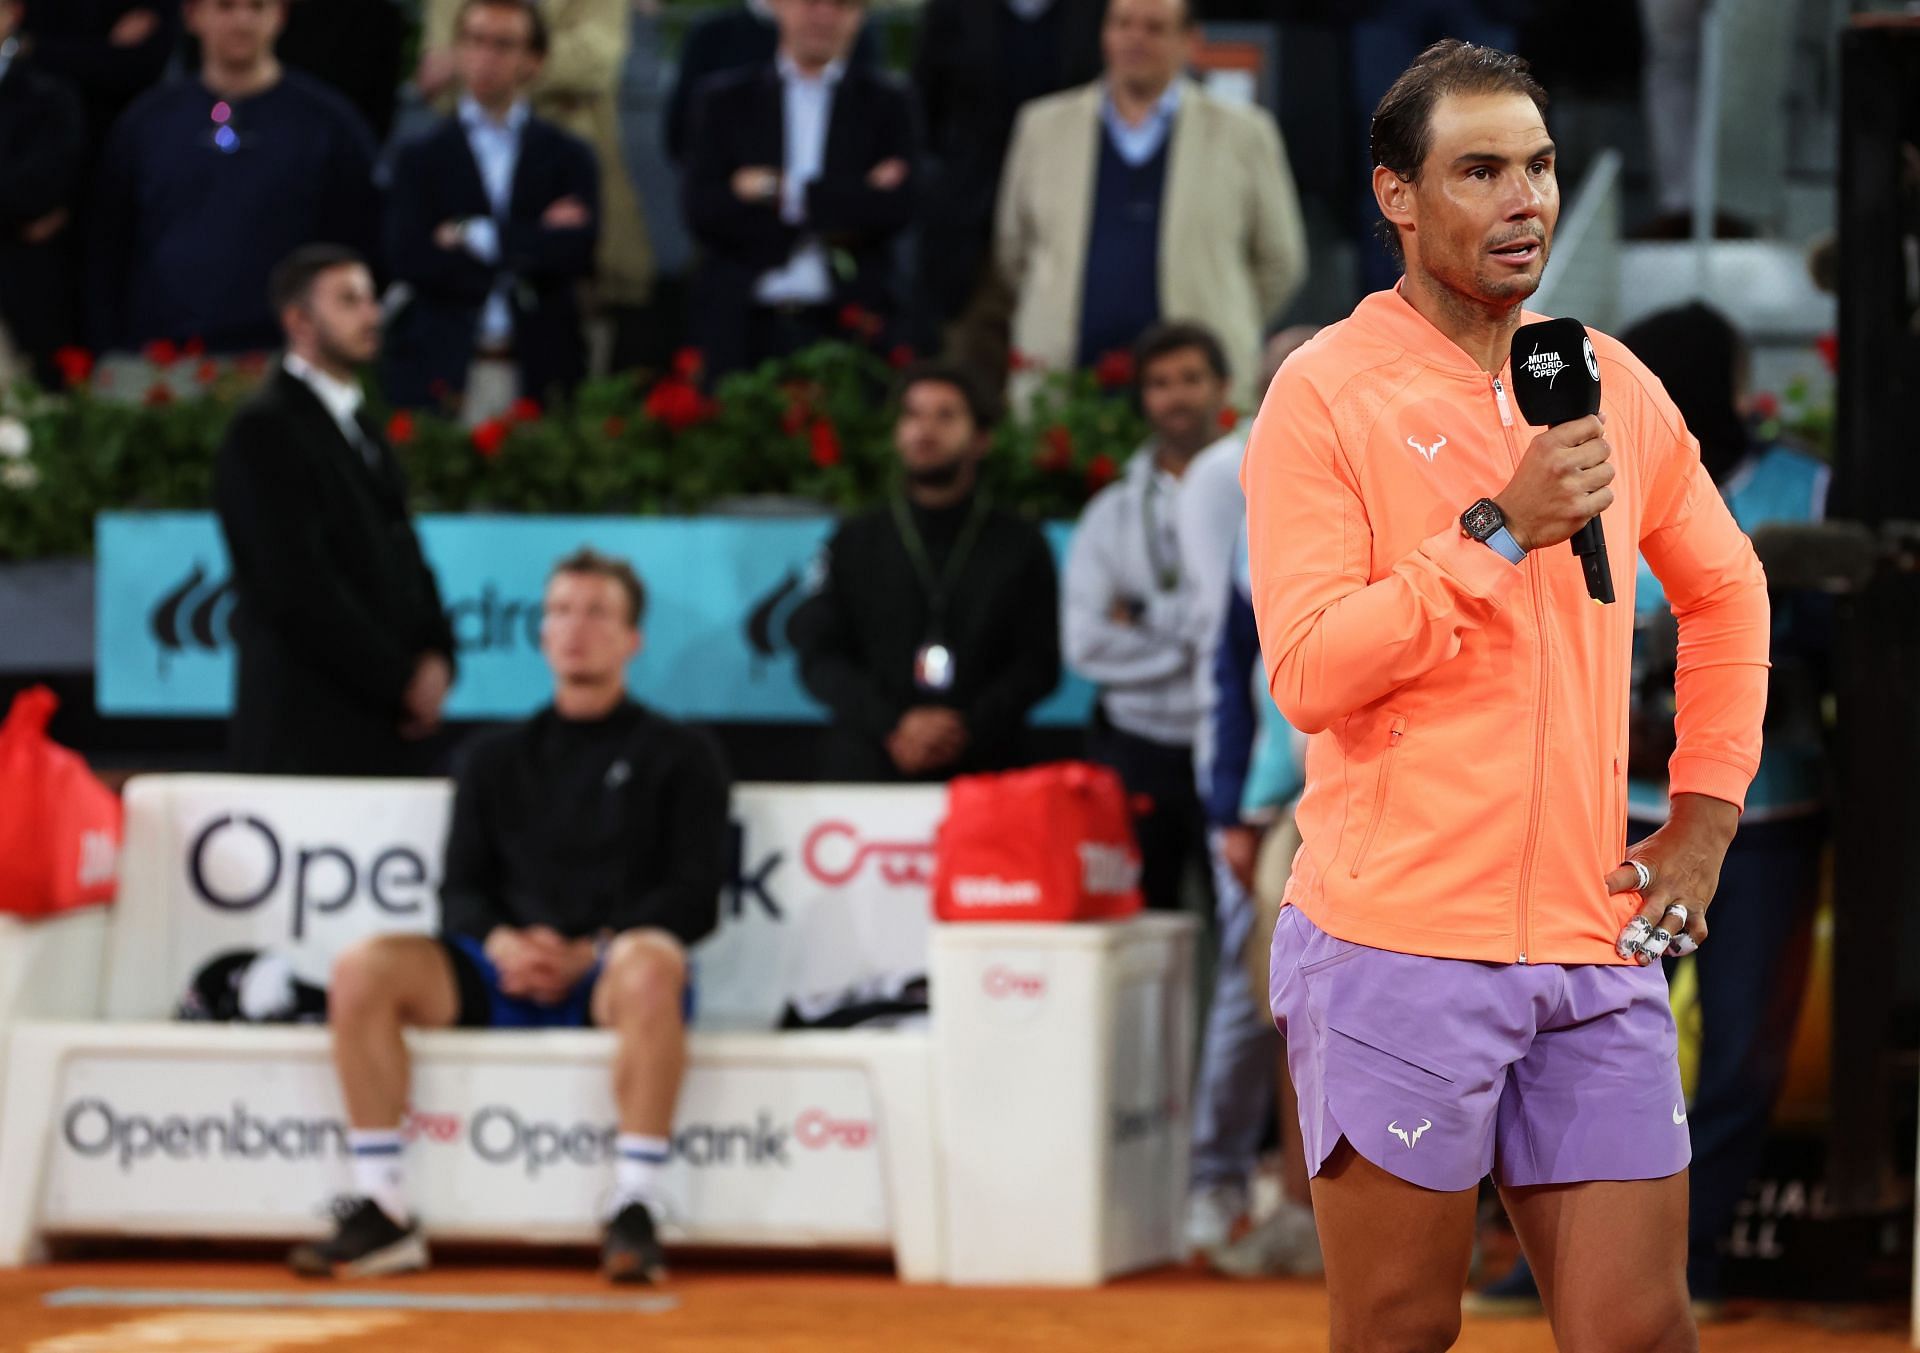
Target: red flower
<point>901,357</point>
<point>193,347</point>
<point>678,405</point>
<point>524,410</point>
<point>1114,371</point>
<point>161,353</point>
<point>614,428</point>
<point>400,428</point>
<point>1828,346</point>
<point>1059,450</point>
<point>489,437</point>
<point>688,363</point>
<point>858,319</point>
<point>207,372</point>
<point>159,395</point>
<point>795,417</point>
<point>826,444</point>
<point>1101,472</point>
<point>1019,361</point>
<point>1766,404</point>
<point>76,364</point>
<point>252,364</point>
<point>1229,418</point>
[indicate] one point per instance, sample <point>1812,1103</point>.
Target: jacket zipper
<point>1380,789</point>
<point>1540,710</point>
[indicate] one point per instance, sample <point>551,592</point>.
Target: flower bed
<point>817,426</point>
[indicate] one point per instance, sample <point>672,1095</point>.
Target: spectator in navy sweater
<point>208,182</point>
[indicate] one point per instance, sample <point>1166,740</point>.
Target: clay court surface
<point>726,1306</point>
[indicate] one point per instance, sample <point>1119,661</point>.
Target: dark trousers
<point>1173,832</point>
<point>1752,973</point>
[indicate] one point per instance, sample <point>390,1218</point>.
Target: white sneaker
<point>1212,1213</point>
<point>1285,1244</point>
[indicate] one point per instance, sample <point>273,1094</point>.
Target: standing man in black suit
<point>491,225</point>
<point>42,148</point>
<point>723,40</point>
<point>978,63</point>
<point>799,180</point>
<point>345,653</point>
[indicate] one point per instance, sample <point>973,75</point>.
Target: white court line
<point>193,1298</point>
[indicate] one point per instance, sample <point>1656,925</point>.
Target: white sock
<point>636,1177</point>
<point>379,1170</point>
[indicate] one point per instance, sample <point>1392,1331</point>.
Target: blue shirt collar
<point>474,118</point>
<point>1163,109</point>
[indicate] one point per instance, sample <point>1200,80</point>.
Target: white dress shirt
<point>496,152</point>
<point>1127,548</point>
<point>1139,144</point>
<point>805,278</point>
<point>341,399</point>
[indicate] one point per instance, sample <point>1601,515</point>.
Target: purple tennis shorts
<point>1441,1070</point>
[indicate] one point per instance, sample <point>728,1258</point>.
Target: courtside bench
<point>1035,1133</point>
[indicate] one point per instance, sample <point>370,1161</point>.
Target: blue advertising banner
<point>720,593</point>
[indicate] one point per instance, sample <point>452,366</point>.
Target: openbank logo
<point>238,862</point>
<point>501,1136</point>
<point>95,1129</point>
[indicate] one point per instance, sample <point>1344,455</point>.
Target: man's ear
<point>1395,196</point>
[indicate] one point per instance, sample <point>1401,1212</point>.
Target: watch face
<point>1482,519</point>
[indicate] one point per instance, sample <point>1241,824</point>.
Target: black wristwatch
<point>1486,523</point>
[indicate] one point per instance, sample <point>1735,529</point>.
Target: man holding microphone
<point>1465,971</point>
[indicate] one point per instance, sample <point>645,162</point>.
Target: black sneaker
<point>632,1251</point>
<point>366,1243</point>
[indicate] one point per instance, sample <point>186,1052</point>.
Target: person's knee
<point>366,979</point>
<point>646,977</point>
<point>1646,1323</point>
<point>1415,1323</point>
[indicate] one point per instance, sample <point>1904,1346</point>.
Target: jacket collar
<point>1389,317</point>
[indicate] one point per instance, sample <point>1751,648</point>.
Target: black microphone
<point>1556,378</point>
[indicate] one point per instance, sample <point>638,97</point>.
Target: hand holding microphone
<point>1556,379</point>
<point>1560,485</point>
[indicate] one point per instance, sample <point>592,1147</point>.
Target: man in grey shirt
<point>1129,610</point>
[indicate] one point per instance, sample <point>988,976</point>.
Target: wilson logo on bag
<point>1054,843</point>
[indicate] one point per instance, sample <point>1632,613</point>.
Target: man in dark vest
<point>345,653</point>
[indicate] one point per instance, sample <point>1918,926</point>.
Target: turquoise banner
<point>720,593</point>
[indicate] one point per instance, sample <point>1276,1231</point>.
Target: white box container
<point>1062,1067</point>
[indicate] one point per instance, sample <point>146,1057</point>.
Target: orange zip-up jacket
<point>1467,766</point>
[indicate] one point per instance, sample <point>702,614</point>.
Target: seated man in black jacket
<point>799,179</point>
<point>491,227</point>
<point>586,856</point>
<point>933,629</point>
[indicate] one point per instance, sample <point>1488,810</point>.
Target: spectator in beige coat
<point>578,89</point>
<point>1185,207</point>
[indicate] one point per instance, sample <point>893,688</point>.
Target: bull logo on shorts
<point>1413,1140</point>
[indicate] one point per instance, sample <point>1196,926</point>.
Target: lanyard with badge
<point>933,660</point>
<point>1166,572</point>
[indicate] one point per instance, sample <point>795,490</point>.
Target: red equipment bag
<point>1054,843</point>
<point>59,826</point>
